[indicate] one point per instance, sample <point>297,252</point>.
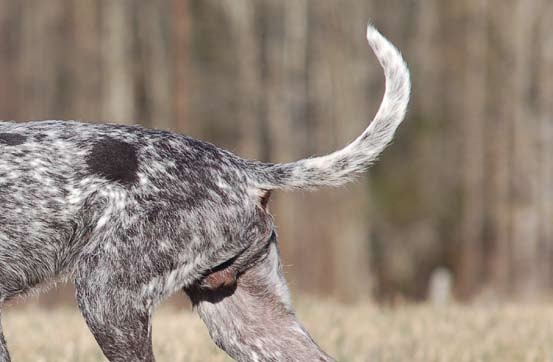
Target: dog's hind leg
<point>117,316</point>
<point>253,320</point>
<point>4,355</point>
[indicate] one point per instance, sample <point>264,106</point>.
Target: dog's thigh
<point>254,320</point>
<point>4,355</point>
<point>117,315</point>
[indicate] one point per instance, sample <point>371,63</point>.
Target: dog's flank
<point>133,215</point>
<point>342,166</point>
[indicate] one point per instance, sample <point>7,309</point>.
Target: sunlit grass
<point>362,332</point>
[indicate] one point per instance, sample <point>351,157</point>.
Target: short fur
<point>133,215</point>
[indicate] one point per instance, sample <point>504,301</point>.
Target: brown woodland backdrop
<point>467,185</point>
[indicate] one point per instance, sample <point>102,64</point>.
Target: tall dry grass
<point>355,333</point>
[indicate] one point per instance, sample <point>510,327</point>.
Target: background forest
<point>466,186</point>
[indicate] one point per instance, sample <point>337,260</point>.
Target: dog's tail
<point>342,166</point>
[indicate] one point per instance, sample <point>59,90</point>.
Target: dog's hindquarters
<point>253,319</point>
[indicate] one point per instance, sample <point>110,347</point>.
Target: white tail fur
<point>342,166</point>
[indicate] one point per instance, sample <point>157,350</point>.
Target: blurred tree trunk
<point>499,138</point>
<point>118,62</point>
<point>39,94</point>
<point>471,263</point>
<point>10,30</point>
<point>180,44</point>
<point>84,54</point>
<point>525,199</point>
<point>154,44</point>
<point>544,94</point>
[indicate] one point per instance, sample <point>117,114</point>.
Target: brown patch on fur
<point>264,200</point>
<point>221,279</point>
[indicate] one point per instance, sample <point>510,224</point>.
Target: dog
<point>132,215</point>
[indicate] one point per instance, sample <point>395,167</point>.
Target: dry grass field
<point>357,333</point>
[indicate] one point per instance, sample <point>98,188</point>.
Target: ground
<point>361,332</point>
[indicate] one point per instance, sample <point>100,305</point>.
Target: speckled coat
<point>133,215</point>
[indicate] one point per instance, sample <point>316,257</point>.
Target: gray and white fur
<point>132,215</point>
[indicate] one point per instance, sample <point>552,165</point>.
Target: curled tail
<point>342,166</point>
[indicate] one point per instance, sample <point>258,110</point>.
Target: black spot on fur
<point>342,164</point>
<point>114,160</point>
<point>12,139</point>
<point>39,137</point>
<point>282,173</point>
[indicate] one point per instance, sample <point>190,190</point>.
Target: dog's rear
<point>254,320</point>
